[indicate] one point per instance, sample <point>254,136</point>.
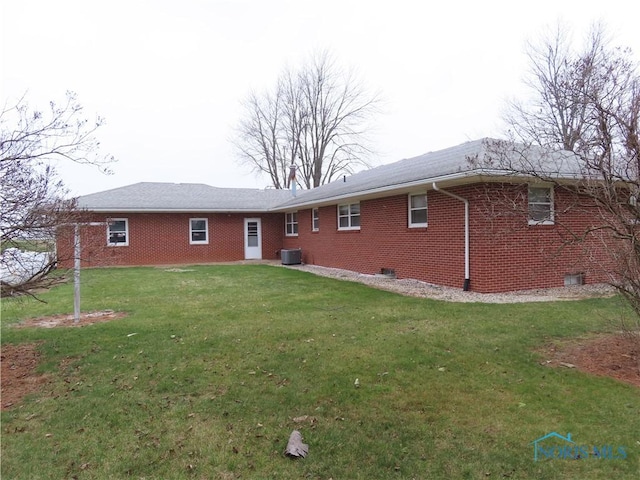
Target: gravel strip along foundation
<point>417,288</point>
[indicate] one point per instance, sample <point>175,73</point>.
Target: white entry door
<point>252,239</point>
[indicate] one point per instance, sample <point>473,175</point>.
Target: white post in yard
<point>76,267</point>
<point>76,274</point>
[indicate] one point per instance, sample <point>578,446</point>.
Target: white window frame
<point>350,216</point>
<point>315,219</point>
<point>411,209</point>
<point>206,231</point>
<point>291,224</point>
<point>550,203</point>
<point>126,232</point>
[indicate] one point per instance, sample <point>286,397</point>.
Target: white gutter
<point>169,210</point>
<point>467,280</point>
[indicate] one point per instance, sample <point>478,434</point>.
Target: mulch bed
<point>615,356</point>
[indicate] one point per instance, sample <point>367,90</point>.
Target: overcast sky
<point>169,76</point>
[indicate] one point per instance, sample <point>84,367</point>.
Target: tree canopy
<point>316,118</point>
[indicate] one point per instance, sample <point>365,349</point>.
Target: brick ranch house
<point>431,218</point>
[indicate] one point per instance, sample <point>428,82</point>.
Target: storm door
<point>252,239</point>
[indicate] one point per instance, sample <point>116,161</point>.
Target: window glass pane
<point>539,195</point>
<point>539,213</point>
<point>118,226</point>
<point>117,237</point>
<point>344,222</point>
<point>291,223</point>
<point>355,208</point>
<point>118,231</point>
<point>540,204</point>
<point>355,221</point>
<point>198,225</point>
<point>343,210</point>
<point>198,236</point>
<point>418,201</point>
<point>419,216</point>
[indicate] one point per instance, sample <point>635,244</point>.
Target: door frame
<point>252,253</point>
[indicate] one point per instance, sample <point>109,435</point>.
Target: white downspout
<point>467,280</point>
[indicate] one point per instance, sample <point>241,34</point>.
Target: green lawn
<point>204,377</point>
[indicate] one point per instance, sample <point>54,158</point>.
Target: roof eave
<point>399,188</point>
<point>175,210</point>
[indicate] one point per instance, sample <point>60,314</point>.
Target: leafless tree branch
<point>317,119</point>
<point>32,197</point>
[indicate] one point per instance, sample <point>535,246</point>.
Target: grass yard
<point>214,366</point>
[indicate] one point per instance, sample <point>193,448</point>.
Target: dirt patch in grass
<point>615,356</point>
<point>69,320</point>
<point>19,377</point>
<point>19,362</point>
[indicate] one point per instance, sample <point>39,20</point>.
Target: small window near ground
<point>541,205</point>
<point>291,224</point>
<point>573,279</point>
<point>315,220</point>
<point>349,216</point>
<point>418,210</point>
<point>198,231</point>
<point>118,232</point>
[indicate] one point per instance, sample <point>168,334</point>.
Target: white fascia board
<point>176,210</point>
<point>459,178</point>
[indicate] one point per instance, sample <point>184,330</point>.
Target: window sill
<point>533,223</point>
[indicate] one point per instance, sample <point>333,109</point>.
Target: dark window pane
<point>419,216</point>
<point>198,225</point>
<point>539,213</point>
<point>198,236</point>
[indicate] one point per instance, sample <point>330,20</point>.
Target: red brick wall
<point>509,254</point>
<point>163,238</point>
<point>505,252</point>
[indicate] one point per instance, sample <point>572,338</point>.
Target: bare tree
<point>316,118</point>
<point>583,117</point>
<point>32,196</point>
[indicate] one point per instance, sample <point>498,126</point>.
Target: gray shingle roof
<point>450,166</point>
<point>192,197</point>
<point>430,166</point>
<point>447,167</point>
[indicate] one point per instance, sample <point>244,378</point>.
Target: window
<point>291,224</point>
<point>540,205</point>
<point>418,210</point>
<point>315,219</point>
<point>198,231</point>
<point>349,217</point>
<point>118,232</point>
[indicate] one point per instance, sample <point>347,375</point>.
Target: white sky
<point>169,76</point>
